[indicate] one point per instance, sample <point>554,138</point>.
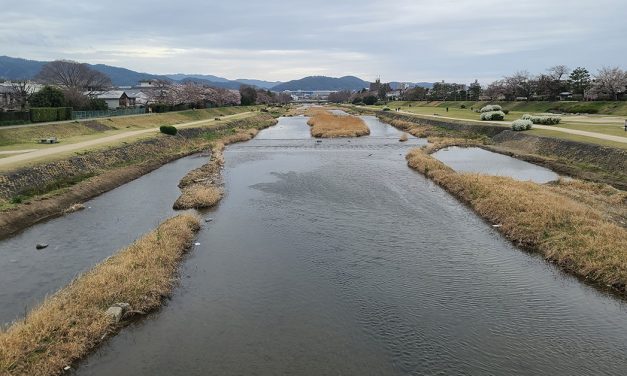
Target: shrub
<point>492,115</point>
<point>370,100</point>
<point>462,106</point>
<point>521,125</point>
<point>386,109</point>
<point>492,108</point>
<point>506,112</point>
<point>168,129</point>
<point>47,97</point>
<point>543,119</point>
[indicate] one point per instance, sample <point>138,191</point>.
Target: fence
<point>78,115</point>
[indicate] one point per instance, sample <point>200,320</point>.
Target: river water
<point>78,241</point>
<point>478,160</point>
<point>335,258</point>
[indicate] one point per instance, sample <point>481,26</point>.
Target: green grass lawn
<point>600,107</point>
<point>605,124</point>
<point>574,137</point>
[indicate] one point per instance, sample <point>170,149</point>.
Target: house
<point>140,97</point>
<point>393,95</point>
<point>116,99</point>
<point>7,98</point>
<point>147,83</point>
<point>567,95</point>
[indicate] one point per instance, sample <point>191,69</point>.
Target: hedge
<point>43,114</point>
<point>14,116</point>
<point>491,108</point>
<point>522,125</point>
<point>492,115</point>
<point>543,119</point>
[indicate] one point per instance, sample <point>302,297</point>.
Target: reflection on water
<point>340,260</point>
<point>479,160</point>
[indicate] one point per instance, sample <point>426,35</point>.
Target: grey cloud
<point>281,40</point>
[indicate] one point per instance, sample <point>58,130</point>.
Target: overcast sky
<point>403,40</point>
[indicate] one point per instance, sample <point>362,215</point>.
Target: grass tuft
<point>327,125</point>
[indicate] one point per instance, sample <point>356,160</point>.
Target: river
<point>335,258</point>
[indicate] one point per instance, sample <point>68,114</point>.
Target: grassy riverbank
<point>32,194</point>
<point>327,125</point>
<point>567,222</point>
<point>69,324</point>
<point>87,129</point>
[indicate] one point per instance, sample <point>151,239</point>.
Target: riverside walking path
<point>32,154</point>
<point>600,136</point>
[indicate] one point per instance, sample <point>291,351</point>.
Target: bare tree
<point>519,85</point>
<point>558,72</point>
<point>611,81</point>
<point>72,75</point>
<point>22,90</point>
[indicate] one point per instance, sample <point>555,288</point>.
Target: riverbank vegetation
<point>324,124</point>
<point>201,187</point>
<point>567,222</point>
<point>69,324</point>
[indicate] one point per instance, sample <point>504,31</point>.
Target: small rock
<point>67,368</point>
<point>497,225</point>
<point>116,311</point>
<point>41,246</point>
<point>209,220</point>
<point>196,243</point>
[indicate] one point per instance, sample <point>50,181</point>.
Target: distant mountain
<point>15,68</point>
<point>12,68</point>
<point>123,76</point>
<point>207,77</point>
<point>222,84</point>
<point>259,83</point>
<point>323,83</point>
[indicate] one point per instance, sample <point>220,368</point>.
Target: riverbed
<point>335,258</point>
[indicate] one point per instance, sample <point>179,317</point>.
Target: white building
<point>116,99</point>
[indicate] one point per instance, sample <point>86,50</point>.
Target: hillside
<point>259,83</point>
<point>12,68</point>
<point>323,83</point>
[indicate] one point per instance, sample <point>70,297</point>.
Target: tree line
<point>557,82</point>
<point>77,85</point>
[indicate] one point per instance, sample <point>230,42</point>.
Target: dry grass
<point>198,196</point>
<point>404,137</point>
<point>201,187</point>
<point>72,322</point>
<point>325,124</point>
<point>551,220</point>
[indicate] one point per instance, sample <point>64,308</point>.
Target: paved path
<point>38,153</point>
<point>600,136</point>
<point>16,151</point>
